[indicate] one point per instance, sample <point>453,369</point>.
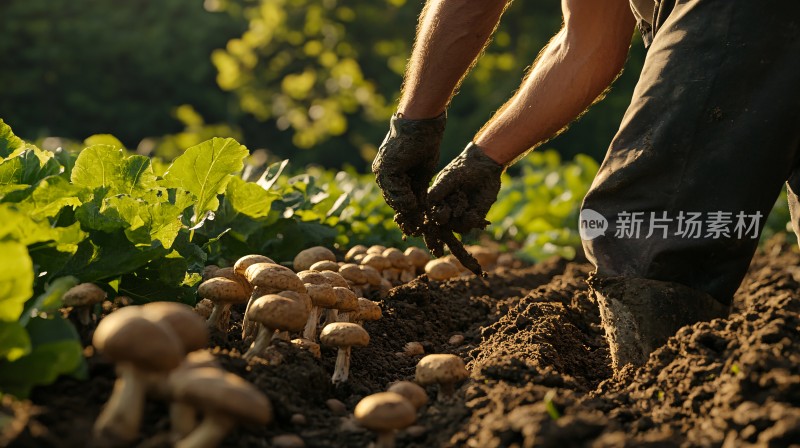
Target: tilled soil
<point>540,373</point>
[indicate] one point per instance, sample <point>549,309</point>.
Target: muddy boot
<point>639,315</point>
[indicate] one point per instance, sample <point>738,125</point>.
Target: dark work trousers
<point>711,135</point>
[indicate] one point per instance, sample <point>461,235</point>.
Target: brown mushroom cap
<point>221,290</point>
<point>376,249</point>
<point>385,411</point>
<point>452,259</point>
<point>325,265</point>
<point>278,312</point>
<point>344,334</point>
<point>352,273</point>
<point>483,255</point>
<point>411,391</point>
<point>126,335</point>
<point>190,328</point>
<point>397,258</point>
<point>346,299</point>
<point>368,310</point>
<point>209,271</point>
<point>335,279</point>
<point>372,275</point>
<point>355,250</point>
<point>440,368</point>
<point>376,261</point>
<point>231,274</point>
<point>418,257</point>
<point>441,270</point>
<point>322,295</point>
<point>84,294</point>
<point>300,297</point>
<point>308,257</point>
<point>274,277</point>
<point>241,265</point>
<point>214,390</point>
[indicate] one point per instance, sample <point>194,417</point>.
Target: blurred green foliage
<point>285,75</point>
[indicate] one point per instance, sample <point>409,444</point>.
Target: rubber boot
<point>639,315</point>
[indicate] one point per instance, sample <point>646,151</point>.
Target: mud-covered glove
<point>406,164</point>
<point>464,191</point>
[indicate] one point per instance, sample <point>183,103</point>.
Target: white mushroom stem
<point>342,369</point>
<point>261,343</point>
<point>407,275</point>
<point>385,439</point>
<point>183,419</point>
<point>310,332</point>
<point>249,328</point>
<point>122,415</point>
<point>216,315</point>
<point>209,433</point>
<point>343,317</point>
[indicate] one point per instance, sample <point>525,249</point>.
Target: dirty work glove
<point>405,165</point>
<point>464,191</point>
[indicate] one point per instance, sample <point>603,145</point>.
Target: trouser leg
<point>710,136</point>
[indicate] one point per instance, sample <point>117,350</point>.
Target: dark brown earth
<point>540,372</point>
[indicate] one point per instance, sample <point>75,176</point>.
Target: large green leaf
<point>28,167</point>
<point>56,350</point>
<point>249,198</point>
<point>104,166</point>
<point>16,279</point>
<point>8,141</point>
<point>50,196</point>
<point>205,170</point>
<point>14,341</point>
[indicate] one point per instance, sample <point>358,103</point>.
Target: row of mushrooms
<point>159,348</point>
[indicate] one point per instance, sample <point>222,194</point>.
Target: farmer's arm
<point>571,72</point>
<point>450,36</point>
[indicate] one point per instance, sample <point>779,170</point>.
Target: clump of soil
<point>540,373</point>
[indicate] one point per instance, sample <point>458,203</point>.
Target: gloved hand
<point>405,165</point>
<point>464,191</point>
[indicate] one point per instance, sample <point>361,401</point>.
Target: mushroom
<point>267,278</point>
<point>377,261</point>
<point>335,279</point>
<point>223,398</point>
<point>355,278</point>
<point>181,319</point>
<point>299,297</point>
<point>385,413</point>
<point>441,270</point>
<point>224,292</point>
<point>82,298</point>
<point>505,260</point>
<point>241,265</point>
<point>274,312</point>
<point>209,271</point>
<point>483,255</point>
<point>231,274</point>
<point>358,249</point>
<point>367,310</point>
<point>307,257</point>
<point>376,249</point>
<point>183,417</point>
<point>346,302</point>
<point>399,265</point>
<point>442,369</point>
<point>343,335</point>
<point>204,307</point>
<point>359,257</point>
<point>325,265</point>
<point>307,345</point>
<point>138,346</point>
<point>411,391</point>
<point>417,257</point>
<point>322,296</point>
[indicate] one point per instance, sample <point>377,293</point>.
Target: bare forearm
<point>451,35</point>
<point>570,74</point>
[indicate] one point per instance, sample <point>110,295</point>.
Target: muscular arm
<point>450,36</point>
<point>571,72</point>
